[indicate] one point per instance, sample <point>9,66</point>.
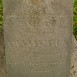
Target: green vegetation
<point>75,19</point>
<point>1,15</point>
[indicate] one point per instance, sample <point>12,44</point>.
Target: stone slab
<point>38,37</point>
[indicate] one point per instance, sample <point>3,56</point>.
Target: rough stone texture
<point>74,59</point>
<point>38,37</point>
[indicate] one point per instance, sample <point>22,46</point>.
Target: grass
<point>75,19</point>
<point>1,16</point>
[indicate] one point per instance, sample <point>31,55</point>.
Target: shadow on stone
<point>2,56</point>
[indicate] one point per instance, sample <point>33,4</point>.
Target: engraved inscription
<point>37,39</point>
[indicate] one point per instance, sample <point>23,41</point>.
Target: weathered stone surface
<point>38,37</point>
<point>2,56</point>
<point>74,59</point>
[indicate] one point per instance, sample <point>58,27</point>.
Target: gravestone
<point>38,37</point>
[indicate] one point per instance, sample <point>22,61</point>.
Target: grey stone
<point>38,37</point>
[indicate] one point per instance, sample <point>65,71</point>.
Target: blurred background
<point>1,15</point>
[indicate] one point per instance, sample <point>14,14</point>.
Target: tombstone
<point>38,37</point>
